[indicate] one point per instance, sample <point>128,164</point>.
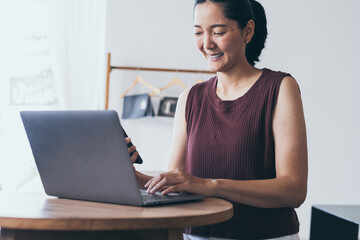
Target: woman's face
<point>219,39</point>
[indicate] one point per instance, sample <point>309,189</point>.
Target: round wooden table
<point>25,216</point>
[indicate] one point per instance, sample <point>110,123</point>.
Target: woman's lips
<point>215,57</point>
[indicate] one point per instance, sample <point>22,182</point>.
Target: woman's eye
<point>219,33</point>
<point>198,33</point>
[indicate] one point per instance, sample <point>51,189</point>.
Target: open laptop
<point>83,155</point>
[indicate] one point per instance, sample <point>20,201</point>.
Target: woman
<point>240,135</point>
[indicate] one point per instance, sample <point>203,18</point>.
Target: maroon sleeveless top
<point>234,140</point>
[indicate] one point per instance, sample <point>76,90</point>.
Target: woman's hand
<point>132,149</point>
<point>141,178</point>
<point>178,181</point>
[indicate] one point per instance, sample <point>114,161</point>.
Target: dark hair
<point>242,11</point>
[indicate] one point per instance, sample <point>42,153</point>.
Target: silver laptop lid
<point>82,155</point>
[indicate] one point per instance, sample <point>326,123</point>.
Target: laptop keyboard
<point>156,197</point>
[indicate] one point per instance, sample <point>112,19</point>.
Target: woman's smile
<point>215,57</point>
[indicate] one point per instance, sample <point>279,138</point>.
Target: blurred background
<point>53,55</point>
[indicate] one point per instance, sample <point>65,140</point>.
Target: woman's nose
<point>209,43</point>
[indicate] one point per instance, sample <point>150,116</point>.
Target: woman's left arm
<point>289,187</point>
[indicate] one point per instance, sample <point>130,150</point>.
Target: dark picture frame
<point>167,107</point>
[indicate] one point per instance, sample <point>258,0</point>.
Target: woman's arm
<point>289,187</point>
<point>142,179</point>
<point>179,141</point>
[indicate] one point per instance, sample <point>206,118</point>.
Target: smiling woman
<point>240,135</point>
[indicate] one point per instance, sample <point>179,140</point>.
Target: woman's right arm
<point>179,141</point>
<point>142,179</point>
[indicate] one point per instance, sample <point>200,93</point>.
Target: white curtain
<point>79,53</point>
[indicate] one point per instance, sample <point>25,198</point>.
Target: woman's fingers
<point>150,185</point>
<point>132,150</point>
<point>174,189</point>
<point>157,187</point>
<point>134,156</point>
<point>152,182</point>
<point>165,180</point>
<point>177,181</point>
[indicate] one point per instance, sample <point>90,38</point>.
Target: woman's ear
<point>249,31</point>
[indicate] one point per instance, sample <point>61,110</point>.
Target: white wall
<point>316,41</point>
<point>151,34</point>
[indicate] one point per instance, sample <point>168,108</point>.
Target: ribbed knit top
<point>234,140</point>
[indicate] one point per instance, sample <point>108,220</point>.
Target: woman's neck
<point>235,83</point>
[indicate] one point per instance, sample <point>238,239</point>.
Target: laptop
<point>83,155</point>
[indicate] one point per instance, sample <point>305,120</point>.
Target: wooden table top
<point>36,211</point>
